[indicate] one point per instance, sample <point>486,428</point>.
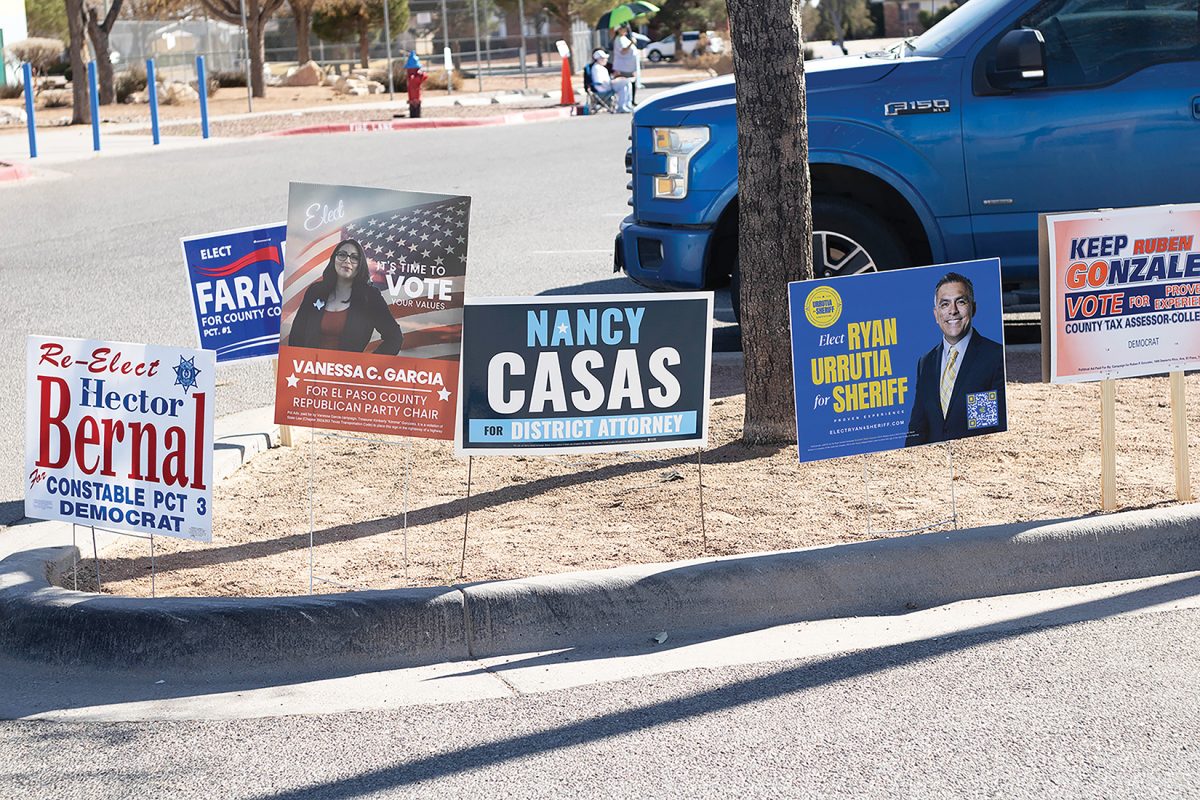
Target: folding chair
<point>597,101</point>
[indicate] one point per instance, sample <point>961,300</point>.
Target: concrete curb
<point>362,631</point>
<point>337,632</point>
<point>885,576</point>
<point>520,118</point>
<point>13,172</point>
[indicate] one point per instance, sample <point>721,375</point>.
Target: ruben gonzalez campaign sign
<point>236,279</point>
<point>120,435</point>
<point>584,373</point>
<point>894,359</point>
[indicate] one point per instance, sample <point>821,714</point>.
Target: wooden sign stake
<point>1108,445</point>
<point>285,431</point>
<point>1179,437</point>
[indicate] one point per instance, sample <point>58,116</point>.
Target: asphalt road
<point>95,253</point>
<point>1104,708</point>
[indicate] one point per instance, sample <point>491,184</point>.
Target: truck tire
<point>848,238</point>
<point>654,56</point>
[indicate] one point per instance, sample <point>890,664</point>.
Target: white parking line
<point>561,252</point>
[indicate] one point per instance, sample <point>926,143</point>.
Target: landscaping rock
<point>11,116</point>
<point>307,74</point>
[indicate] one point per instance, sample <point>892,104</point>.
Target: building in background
<point>12,29</point>
<point>901,18</point>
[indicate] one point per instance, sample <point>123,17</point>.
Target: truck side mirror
<point>1021,59</point>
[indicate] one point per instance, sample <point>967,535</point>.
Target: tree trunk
<point>81,113</point>
<point>254,29</point>
<point>104,68</point>
<point>364,43</point>
<point>303,15</point>
<point>774,204</point>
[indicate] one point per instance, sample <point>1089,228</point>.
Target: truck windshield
<point>941,37</point>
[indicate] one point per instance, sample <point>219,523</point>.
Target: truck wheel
<point>654,56</point>
<point>847,239</point>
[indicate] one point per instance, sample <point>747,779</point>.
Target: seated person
<point>604,85</point>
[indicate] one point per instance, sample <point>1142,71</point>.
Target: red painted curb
<point>12,172</point>
<point>540,115</point>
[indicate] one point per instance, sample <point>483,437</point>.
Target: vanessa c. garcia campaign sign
<point>236,279</point>
<point>893,359</point>
<point>585,373</point>
<point>372,310</point>
<point>1123,290</point>
<point>120,436</point>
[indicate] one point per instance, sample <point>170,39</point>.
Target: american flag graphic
<point>425,242</point>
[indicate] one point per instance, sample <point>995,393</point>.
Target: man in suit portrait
<point>960,382</point>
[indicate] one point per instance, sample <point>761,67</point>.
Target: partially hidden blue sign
<point>895,359</point>
<point>235,278</point>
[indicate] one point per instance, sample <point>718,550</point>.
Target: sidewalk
<point>74,143</point>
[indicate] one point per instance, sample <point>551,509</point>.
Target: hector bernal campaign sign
<point>585,373</point>
<point>372,310</point>
<point>1123,292</point>
<point>885,360</point>
<point>120,436</point>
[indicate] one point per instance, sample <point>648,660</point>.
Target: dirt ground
<point>280,98</point>
<point>533,516</point>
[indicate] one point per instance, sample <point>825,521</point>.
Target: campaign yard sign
<point>372,310</point>
<point>895,359</point>
<point>1123,292</point>
<point>120,436</point>
<point>236,283</point>
<point>583,374</point>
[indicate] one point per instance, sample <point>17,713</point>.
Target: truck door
<point>1115,121</point>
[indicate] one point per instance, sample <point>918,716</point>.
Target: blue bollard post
<point>202,85</point>
<point>94,101</point>
<point>27,71</point>
<point>152,88</point>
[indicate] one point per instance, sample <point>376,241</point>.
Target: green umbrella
<point>625,13</point>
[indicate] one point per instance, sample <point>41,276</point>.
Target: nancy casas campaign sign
<point>236,279</point>
<point>893,359</point>
<point>372,310</point>
<point>585,373</point>
<point>1123,290</point>
<point>120,435</point>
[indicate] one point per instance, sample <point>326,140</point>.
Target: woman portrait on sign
<point>342,310</point>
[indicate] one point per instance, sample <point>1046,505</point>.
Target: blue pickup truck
<point>944,148</point>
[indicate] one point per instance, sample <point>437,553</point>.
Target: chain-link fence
<point>479,43</point>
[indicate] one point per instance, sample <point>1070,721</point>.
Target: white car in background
<point>657,51</point>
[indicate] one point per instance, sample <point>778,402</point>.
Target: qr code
<point>983,410</point>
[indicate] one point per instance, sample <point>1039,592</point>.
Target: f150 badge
<point>902,108</point>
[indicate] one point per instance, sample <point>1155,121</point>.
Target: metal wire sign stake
<point>952,520</point>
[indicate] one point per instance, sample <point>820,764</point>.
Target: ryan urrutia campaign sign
<point>895,359</point>
<point>236,278</point>
<point>120,436</point>
<point>585,374</point>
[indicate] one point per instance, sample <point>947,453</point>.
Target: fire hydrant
<point>416,76</point>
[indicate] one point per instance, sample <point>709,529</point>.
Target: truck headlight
<point>678,145</point>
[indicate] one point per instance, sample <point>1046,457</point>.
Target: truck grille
<point>629,171</point>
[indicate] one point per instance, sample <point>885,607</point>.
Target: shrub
<point>55,98</point>
<point>437,80</point>
<point>11,91</point>
<point>39,53</point>
<point>229,78</point>
<point>718,63</point>
<point>130,81</point>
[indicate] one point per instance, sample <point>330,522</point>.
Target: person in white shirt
<point>604,84</point>
<point>625,63</point>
